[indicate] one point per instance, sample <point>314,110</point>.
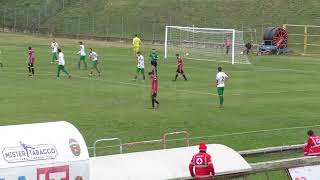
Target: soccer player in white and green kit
<point>221,78</point>
<point>54,49</point>
<point>61,62</point>
<point>140,66</point>
<point>94,59</point>
<point>82,56</point>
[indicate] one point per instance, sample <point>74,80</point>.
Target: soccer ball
<point>187,54</point>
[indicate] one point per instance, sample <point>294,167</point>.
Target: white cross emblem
<point>199,161</point>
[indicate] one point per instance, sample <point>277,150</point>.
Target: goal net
<point>207,44</point>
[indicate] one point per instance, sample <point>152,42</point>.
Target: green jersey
<point>153,56</point>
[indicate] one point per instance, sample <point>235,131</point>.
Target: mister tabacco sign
<point>24,152</point>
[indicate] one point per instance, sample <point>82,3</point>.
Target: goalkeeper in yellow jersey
<point>136,44</point>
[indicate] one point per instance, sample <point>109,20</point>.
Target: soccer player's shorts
<point>140,70</point>
<point>154,94</point>
<point>179,70</point>
<point>30,65</point>
<point>220,90</point>
<point>82,58</point>
<point>94,64</point>
<point>135,49</point>
<point>154,63</point>
<point>54,56</point>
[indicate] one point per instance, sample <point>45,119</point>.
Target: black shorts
<point>154,63</point>
<point>30,64</point>
<point>180,71</point>
<point>154,95</point>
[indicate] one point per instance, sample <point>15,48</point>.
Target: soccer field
<point>279,94</point>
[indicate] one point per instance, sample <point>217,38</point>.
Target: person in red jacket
<point>202,164</point>
<point>312,147</point>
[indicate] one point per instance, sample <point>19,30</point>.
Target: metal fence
<point>53,17</point>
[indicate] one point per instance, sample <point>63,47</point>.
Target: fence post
<point>122,28</point>
<point>28,19</point>
<point>4,19</point>
<point>153,31</point>
<point>79,26</point>
<point>15,19</point>
<point>92,25</point>
<point>108,25</point>
<point>39,21</point>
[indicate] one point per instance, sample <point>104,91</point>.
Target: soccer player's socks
<point>144,78</point>
<point>156,101</point>
<point>176,77</point>
<point>85,65</point>
<point>184,76</point>
<point>32,69</point>
<point>79,63</point>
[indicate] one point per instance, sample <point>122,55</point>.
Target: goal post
<point>206,44</point>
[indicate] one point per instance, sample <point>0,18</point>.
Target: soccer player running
<point>94,59</point>
<point>82,56</point>
<point>136,44</point>
<point>61,62</point>
<point>221,78</point>
<point>154,89</point>
<point>140,66</point>
<point>54,49</point>
<point>180,68</point>
<point>228,44</point>
<point>30,61</point>
<point>153,59</point>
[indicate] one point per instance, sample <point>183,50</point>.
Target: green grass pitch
<point>273,92</point>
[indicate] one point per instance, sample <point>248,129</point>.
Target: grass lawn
<point>272,93</point>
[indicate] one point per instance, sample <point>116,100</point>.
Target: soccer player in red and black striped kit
<point>31,60</point>
<point>154,88</point>
<point>180,68</point>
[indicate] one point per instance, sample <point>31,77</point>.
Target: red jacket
<point>312,147</point>
<point>203,166</point>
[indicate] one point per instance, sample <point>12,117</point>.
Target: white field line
<point>164,87</point>
<point>223,135</point>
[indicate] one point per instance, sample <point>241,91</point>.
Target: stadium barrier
<point>161,142</point>
<point>218,138</point>
<point>270,150</point>
<point>104,140</point>
<point>185,133</point>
